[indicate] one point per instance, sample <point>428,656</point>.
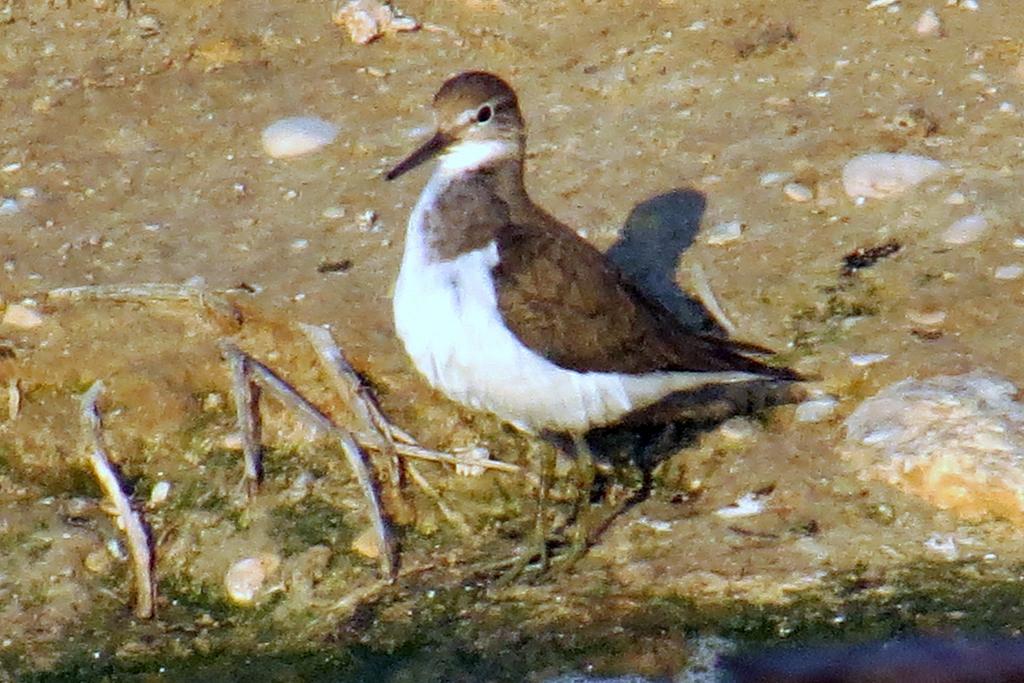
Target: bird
<point>504,309</point>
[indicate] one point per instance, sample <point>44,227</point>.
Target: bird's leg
<point>585,473</point>
<point>537,546</point>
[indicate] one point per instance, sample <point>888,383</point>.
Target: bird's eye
<point>484,114</point>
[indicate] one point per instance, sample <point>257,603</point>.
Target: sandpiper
<point>504,309</point>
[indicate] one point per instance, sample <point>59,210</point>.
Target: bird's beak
<point>425,152</point>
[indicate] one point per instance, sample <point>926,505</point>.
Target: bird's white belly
<point>447,316</point>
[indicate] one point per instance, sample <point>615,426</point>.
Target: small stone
<point>246,577</point>
<point>945,546</point>
<point>926,318</point>
<point>1007,108</point>
<point>816,409</point>
<point>99,561</point>
<point>297,135</point>
<point>366,543</point>
<point>864,359</point>
<point>875,4</point>
<point>22,317</point>
<point>882,174</point>
<point>367,20</point>
<point>231,442</point>
<point>148,25</point>
<point>748,505</point>
<point>724,233</point>
<point>798,192</point>
<point>774,178</point>
<point>1011,272</point>
<point>1018,242</point>
<point>159,493</point>
<point>9,206</point>
<point>966,230</point>
<point>956,199</point>
<point>928,24</point>
<point>737,429</point>
<point>334,212</point>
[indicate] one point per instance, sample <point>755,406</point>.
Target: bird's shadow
<point>650,246</point>
<point>648,252</point>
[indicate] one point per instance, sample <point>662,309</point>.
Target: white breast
<point>446,314</point>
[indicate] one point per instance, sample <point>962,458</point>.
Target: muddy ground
<point>129,140</point>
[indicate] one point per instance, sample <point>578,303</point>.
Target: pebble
<point>99,561</point>
<point>738,429</point>
<point>159,493</point>
<point>928,24</point>
<point>966,230</point>
<point>956,441</point>
<point>22,317</point>
<point>956,198</point>
<point>864,359</point>
<point>297,135</point>
<point>724,233</point>
<point>1018,242</point>
<point>246,577</point>
<point>9,206</point>
<point>798,192</point>
<point>927,318</point>
<point>748,505</point>
<point>816,409</point>
<point>774,178</point>
<point>367,20</point>
<point>366,543</point>
<point>945,546</point>
<point>1011,272</point>
<point>882,174</point>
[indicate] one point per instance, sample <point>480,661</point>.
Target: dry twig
<point>152,291</point>
<point>128,518</point>
<point>356,458</point>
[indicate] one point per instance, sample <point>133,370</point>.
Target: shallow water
<point>136,158</point>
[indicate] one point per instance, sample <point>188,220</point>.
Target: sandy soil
<point>131,144</point>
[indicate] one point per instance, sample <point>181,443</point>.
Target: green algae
<point>464,633</point>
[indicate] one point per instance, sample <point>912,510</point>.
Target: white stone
<point>864,359</point>
<point>881,174</point>
<point>1007,108</point>
<point>927,318</point>
<point>1018,242</point>
<point>928,24</point>
<point>161,490</point>
<point>816,409</point>
<point>956,198</point>
<point>9,206</point>
<point>724,233</point>
<point>297,135</point>
<point>748,505</point>
<point>945,546</point>
<point>738,429</point>
<point>367,20</point>
<point>22,317</point>
<point>1010,272</point>
<point>798,192</point>
<point>875,4</point>
<point>774,178</point>
<point>246,577</point>
<point>966,230</point>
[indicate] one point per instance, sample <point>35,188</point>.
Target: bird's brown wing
<point>564,300</point>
